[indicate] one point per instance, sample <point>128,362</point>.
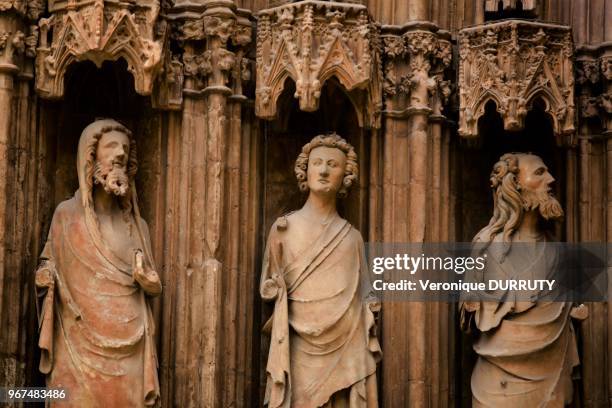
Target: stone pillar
<point>413,54</point>
<point>203,345</point>
<point>593,197</point>
<point>593,79</point>
<point>606,105</point>
<point>18,39</point>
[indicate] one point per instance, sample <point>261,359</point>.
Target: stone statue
<point>526,348</point>
<point>323,349</point>
<point>96,327</point>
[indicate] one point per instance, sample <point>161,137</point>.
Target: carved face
<point>533,174</point>
<point>536,187</point>
<point>325,170</point>
<point>112,155</point>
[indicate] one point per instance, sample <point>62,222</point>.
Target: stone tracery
<point>311,42</point>
<point>396,68</point>
<point>98,32</point>
<point>513,63</point>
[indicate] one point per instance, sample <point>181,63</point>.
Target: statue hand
<point>269,289</point>
<point>44,277</point>
<point>374,306</point>
<point>580,312</point>
<point>470,306</point>
<point>146,277</point>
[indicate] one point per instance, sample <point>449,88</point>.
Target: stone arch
<point>74,38</point>
<point>469,123</point>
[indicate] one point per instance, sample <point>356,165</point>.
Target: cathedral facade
<point>220,96</point>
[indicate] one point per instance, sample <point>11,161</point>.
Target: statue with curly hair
<point>323,349</point>
<point>96,272</point>
<point>526,347</point>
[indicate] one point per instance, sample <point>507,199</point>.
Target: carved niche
<point>311,42</point>
<point>492,6</point>
<point>98,31</point>
<point>513,63</point>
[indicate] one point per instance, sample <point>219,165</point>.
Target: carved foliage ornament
<point>414,66</point>
<point>513,63</point>
<point>206,61</point>
<point>98,31</point>
<point>592,77</point>
<point>311,42</point>
<point>32,9</point>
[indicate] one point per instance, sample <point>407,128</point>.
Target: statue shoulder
<point>67,208</point>
<point>484,236</point>
<point>282,223</point>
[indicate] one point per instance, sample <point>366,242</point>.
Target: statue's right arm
<point>45,273</point>
<point>269,286</point>
<point>45,285</point>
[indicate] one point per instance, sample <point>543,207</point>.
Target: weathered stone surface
<point>323,347</point>
<point>96,328</point>
<point>214,177</point>
<point>518,364</point>
<point>512,63</point>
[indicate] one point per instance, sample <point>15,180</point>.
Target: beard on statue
<point>544,201</point>
<point>113,179</point>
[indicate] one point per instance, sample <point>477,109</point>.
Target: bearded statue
<point>526,346</point>
<point>323,348</point>
<point>94,280</point>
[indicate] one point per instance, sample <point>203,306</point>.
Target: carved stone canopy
<point>311,42</point>
<point>274,3</point>
<point>513,63</point>
<point>98,31</point>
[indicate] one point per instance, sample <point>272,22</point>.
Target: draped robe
<point>96,328</point>
<point>526,349</point>
<point>323,349</point>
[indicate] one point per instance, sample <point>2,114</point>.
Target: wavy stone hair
<point>132,166</point>
<point>507,201</point>
<point>351,169</point>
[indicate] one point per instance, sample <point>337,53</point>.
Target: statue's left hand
<point>374,306</point>
<point>146,277</point>
<point>44,276</point>
<point>580,312</point>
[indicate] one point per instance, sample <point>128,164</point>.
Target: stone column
<point>203,346</point>
<point>17,191</point>
<point>411,53</point>
<point>606,107</point>
<point>593,211</point>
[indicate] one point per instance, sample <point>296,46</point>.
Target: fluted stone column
<point>413,53</point>
<point>203,344</point>
<point>18,191</point>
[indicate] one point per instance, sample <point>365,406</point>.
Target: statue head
<point>327,165</point>
<point>107,157</point>
<point>521,183</point>
<point>111,160</point>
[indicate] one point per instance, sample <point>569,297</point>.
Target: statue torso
<point>119,237</point>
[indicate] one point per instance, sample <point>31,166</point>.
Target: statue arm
<point>45,289</point>
<point>45,272</point>
<point>144,272</point>
<point>269,285</point>
<point>371,299</point>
